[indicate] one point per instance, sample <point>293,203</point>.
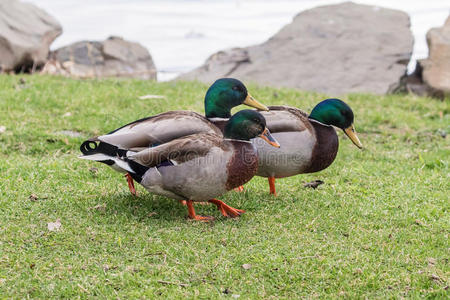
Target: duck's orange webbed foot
<point>239,188</point>
<point>226,210</point>
<point>272,186</point>
<point>131,184</point>
<point>194,216</point>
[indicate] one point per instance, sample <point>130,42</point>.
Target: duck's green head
<point>225,94</point>
<point>337,113</point>
<point>248,124</point>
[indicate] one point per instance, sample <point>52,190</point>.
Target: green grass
<point>377,228</point>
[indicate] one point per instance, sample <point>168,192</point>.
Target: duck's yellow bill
<point>269,138</point>
<point>250,101</point>
<point>351,133</point>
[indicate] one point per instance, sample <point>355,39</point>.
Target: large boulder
<point>26,33</point>
<point>436,68</point>
<point>114,57</point>
<point>333,49</point>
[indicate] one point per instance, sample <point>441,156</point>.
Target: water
<point>181,34</point>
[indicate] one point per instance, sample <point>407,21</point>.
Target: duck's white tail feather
<point>119,163</point>
<point>96,157</point>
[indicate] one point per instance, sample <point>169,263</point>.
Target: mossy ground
<point>377,228</point>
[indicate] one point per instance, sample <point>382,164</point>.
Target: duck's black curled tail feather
<point>90,147</point>
<point>112,156</point>
<point>93,146</point>
<point>86,148</point>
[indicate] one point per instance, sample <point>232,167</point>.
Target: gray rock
<point>333,49</point>
<point>436,68</point>
<point>114,57</point>
<point>26,33</point>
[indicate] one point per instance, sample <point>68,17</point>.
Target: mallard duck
<point>221,97</point>
<point>196,167</point>
<point>309,143</point>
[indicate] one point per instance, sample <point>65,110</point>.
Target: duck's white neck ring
<point>216,119</point>
<point>313,120</point>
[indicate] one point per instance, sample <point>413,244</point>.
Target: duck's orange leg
<point>272,186</point>
<point>131,184</point>
<point>239,188</point>
<point>192,214</point>
<point>227,210</point>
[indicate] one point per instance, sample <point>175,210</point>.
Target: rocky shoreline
<point>334,49</point>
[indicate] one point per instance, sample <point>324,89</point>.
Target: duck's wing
<point>159,129</point>
<point>179,150</point>
<point>286,119</point>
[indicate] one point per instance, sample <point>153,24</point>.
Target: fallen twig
<point>82,288</point>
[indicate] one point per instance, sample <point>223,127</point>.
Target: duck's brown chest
<point>242,165</point>
<point>326,148</point>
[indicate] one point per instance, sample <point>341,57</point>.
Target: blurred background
<point>182,34</point>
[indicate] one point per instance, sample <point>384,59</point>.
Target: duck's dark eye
<point>235,88</point>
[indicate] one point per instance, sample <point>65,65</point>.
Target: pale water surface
<point>181,34</point>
